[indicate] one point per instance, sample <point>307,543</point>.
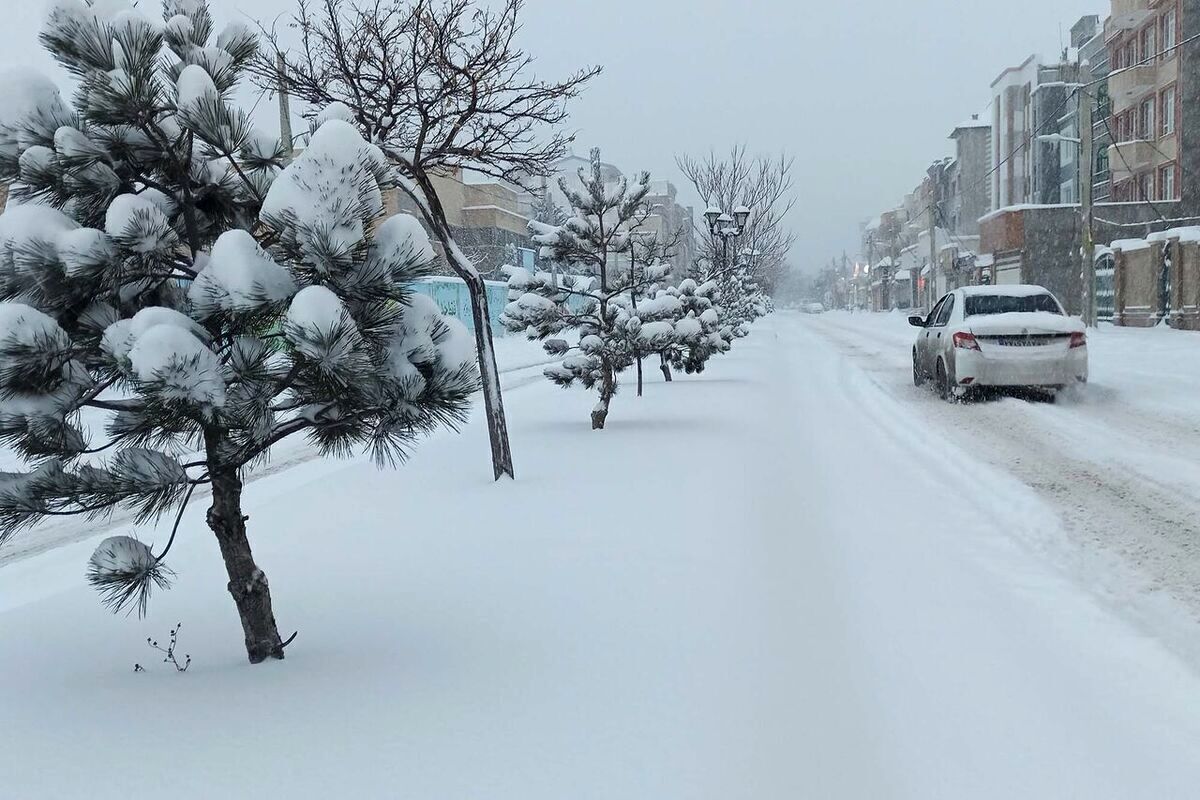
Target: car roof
<point>1015,290</point>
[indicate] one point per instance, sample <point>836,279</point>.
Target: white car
<point>999,336</point>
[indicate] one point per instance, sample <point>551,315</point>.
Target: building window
<point>1167,36</point>
<point>1168,111</point>
<point>1102,165</point>
<point>1145,186</point>
<point>1149,42</point>
<point>1146,129</point>
<point>1166,183</point>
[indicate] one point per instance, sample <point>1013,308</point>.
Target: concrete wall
<point>454,300</point>
<point>1038,246</point>
<point>1138,281</point>
<point>1051,257</point>
<point>1136,286</point>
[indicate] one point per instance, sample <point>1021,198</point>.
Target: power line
<point>1131,171</point>
<point>1142,63</point>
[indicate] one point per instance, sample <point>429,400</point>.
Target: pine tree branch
<point>116,405</point>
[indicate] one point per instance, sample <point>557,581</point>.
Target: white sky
<point>863,94</point>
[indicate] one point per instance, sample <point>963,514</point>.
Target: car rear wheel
<point>918,376</point>
<point>945,391</point>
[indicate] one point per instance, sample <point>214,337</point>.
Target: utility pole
<point>850,292</point>
<point>935,266</point>
<point>870,266</point>
<point>1086,176</point>
<point>285,110</point>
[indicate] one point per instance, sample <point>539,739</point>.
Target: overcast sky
<point>863,94</point>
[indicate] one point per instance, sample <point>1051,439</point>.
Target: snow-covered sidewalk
<point>739,590</point>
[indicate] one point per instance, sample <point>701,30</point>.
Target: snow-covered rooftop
<point>1024,207</point>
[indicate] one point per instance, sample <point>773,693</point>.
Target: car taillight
<point>1078,340</point>
<point>965,341</point>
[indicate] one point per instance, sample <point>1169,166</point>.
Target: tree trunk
<point>666,368</point>
<point>493,400</point>
<point>247,583</point>
<point>639,365</point>
<point>608,388</point>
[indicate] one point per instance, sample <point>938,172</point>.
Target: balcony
<point>1131,158</point>
<point>1127,15</point>
<point>1127,86</point>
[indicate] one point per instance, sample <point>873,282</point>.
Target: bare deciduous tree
<point>764,184</point>
<point>439,85</point>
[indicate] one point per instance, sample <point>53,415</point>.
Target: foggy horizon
<point>861,142</point>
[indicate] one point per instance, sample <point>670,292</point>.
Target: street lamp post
<point>726,227</point>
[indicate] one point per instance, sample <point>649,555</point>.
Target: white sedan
<point>999,336</point>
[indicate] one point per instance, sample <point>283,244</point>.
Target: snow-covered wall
<point>453,299</point>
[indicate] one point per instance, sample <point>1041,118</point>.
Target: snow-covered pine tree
<point>546,210</point>
<point>740,301</point>
<point>440,87</point>
<point>697,328</point>
<point>598,307</point>
<point>172,304</point>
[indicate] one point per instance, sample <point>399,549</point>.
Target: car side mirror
<point>917,321</point>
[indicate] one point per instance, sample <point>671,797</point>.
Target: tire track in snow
<point>1122,482</point>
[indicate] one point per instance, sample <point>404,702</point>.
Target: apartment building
<point>486,218</point>
<point>1146,89</point>
<point>668,219</point>
<point>1012,124</point>
<point>970,192</point>
<point>1088,36</point>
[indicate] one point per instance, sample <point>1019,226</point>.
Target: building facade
<point>485,218</point>
<point>1147,88</point>
<point>970,189</point>
<point>1088,36</point>
<point>1012,123</point>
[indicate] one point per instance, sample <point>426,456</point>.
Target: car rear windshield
<point>983,304</point>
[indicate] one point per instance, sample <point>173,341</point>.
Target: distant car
<point>814,308</point>
<point>999,336</point>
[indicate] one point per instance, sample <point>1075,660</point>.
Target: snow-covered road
<point>984,665</point>
<point>792,577</point>
<point>1118,463</point>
